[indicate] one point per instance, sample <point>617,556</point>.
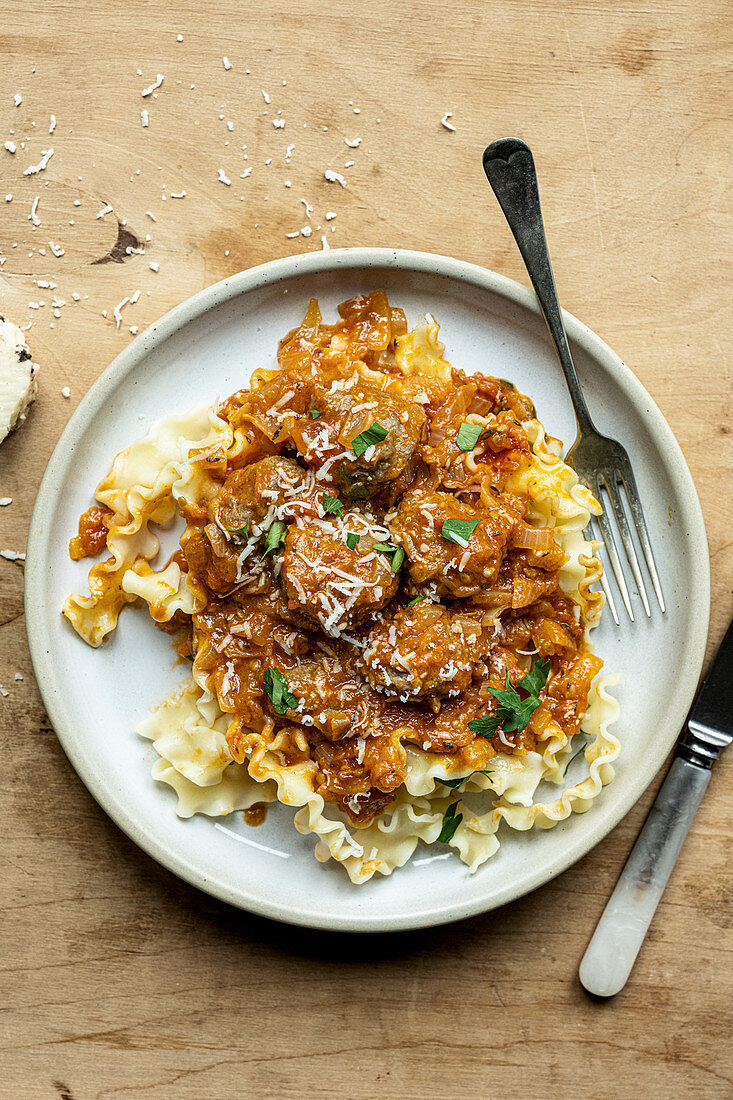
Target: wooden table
<point>119,980</point>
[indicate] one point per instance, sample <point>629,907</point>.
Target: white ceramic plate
<point>208,346</point>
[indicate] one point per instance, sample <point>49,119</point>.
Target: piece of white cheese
<point>17,377</point>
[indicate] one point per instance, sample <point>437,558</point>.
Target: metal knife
<point>621,930</point>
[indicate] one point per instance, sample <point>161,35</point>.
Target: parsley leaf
<point>457,782</point>
<point>514,712</point>
<point>536,679</point>
<point>396,552</point>
<point>397,559</point>
<point>369,436</point>
<point>416,600</point>
<point>573,757</point>
<point>468,435</point>
<point>451,821</point>
<point>276,687</point>
<point>484,727</point>
<point>352,540</point>
<point>275,537</point>
<point>352,491</point>
<point>459,531</point>
<point>242,530</point>
<point>332,505</point>
<point>314,414</point>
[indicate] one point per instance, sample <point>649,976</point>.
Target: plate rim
<point>270,273</point>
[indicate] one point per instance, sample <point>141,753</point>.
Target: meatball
<point>326,441</point>
<point>423,650</point>
<point>441,566</point>
<point>248,494</point>
<point>385,459</point>
<point>224,554</point>
<point>331,586</point>
<point>223,564</point>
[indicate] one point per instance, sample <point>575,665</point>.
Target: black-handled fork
<point>601,463</point>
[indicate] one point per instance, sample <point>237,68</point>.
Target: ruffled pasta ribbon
<point>143,486</point>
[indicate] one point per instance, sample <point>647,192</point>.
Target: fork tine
<point>604,580</point>
<point>613,557</point>
<point>632,494</point>
<point>622,523</point>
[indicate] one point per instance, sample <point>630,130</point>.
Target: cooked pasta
<point>383,589</point>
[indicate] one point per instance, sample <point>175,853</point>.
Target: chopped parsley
<point>368,437</point>
<point>275,537</point>
<point>459,531</point>
<point>485,727</point>
<point>573,757</point>
<point>396,553</point>
<point>457,782</point>
<point>276,687</point>
<point>416,600</point>
<point>314,413</point>
<point>536,678</point>
<point>514,712</point>
<point>468,435</point>
<point>352,540</point>
<point>451,821</point>
<point>332,505</point>
<point>397,559</point>
<point>352,491</point>
<point>188,658</point>
<point>244,531</point>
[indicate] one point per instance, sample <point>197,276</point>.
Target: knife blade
<point>710,725</point>
<point>620,932</point>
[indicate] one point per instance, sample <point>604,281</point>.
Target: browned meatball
<point>227,552</point>
<point>443,567</point>
<point>249,494</point>
<point>223,564</point>
<point>423,650</point>
<point>327,441</point>
<point>331,586</point>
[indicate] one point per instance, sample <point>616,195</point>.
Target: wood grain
<point>119,980</point>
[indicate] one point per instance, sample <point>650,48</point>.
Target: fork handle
<point>509,168</point>
<point>623,925</point>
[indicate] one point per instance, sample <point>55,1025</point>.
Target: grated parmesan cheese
<point>156,84</point>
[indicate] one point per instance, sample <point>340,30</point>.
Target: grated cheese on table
<point>156,84</point>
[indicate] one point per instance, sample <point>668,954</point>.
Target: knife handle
<point>623,925</point>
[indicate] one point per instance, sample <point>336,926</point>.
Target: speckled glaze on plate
<point>208,346</point>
